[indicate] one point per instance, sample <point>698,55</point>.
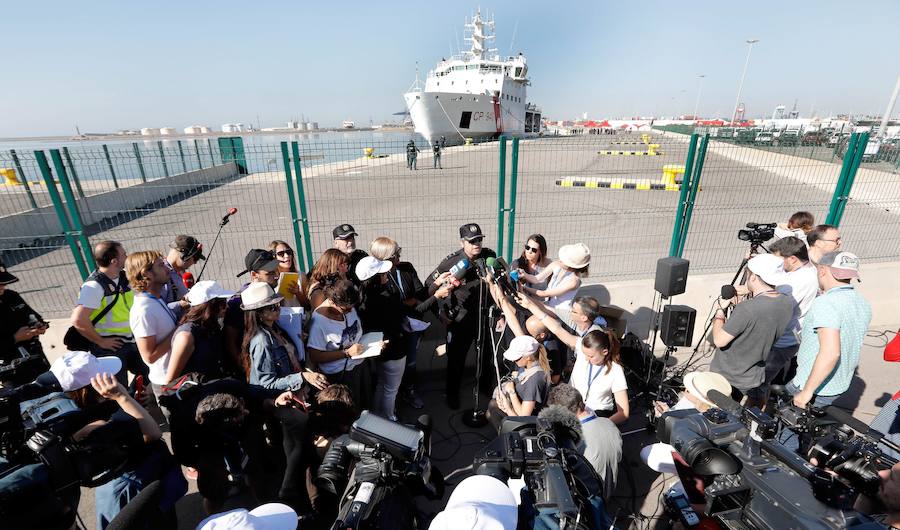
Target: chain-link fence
<point>617,193</point>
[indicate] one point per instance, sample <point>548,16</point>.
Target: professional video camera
<point>754,481</point>
<point>542,450</point>
<point>757,233</point>
<point>392,467</point>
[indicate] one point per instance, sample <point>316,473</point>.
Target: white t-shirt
<point>578,351</point>
<point>803,286</point>
<point>91,294</point>
<point>330,335</point>
<point>598,393</point>
<point>562,302</point>
<point>150,317</point>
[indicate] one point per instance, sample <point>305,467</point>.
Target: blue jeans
<point>412,349</point>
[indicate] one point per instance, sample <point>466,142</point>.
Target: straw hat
<point>700,383</point>
<point>259,294</point>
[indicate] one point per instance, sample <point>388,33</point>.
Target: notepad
<point>372,342</point>
<point>286,282</point>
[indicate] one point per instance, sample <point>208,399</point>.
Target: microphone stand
<point>477,418</point>
<point>211,247</point>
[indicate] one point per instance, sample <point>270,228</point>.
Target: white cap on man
<point>75,369</point>
<point>768,267</point>
<point>479,502</point>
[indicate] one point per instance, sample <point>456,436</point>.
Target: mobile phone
<point>139,385</point>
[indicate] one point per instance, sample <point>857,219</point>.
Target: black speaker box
<point>671,276</point>
<point>676,327</point>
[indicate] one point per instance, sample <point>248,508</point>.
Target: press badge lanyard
<point>168,311</point>
<point>591,378</point>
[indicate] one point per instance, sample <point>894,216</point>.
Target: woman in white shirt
<point>534,258</point>
<point>333,343</point>
<point>599,376</point>
<point>564,278</point>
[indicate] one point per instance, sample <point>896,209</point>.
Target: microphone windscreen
<point>490,262</point>
<point>232,211</point>
<point>560,416</point>
<point>722,401</point>
<point>728,292</point>
<point>188,279</point>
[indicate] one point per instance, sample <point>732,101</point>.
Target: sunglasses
<point>273,307</point>
<point>284,253</point>
<point>531,249</point>
<point>476,241</point>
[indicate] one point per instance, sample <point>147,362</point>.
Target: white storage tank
<point>193,129</point>
<point>231,128</point>
<point>301,126</point>
<point>204,130</point>
<point>168,131</point>
<point>312,126</point>
<point>149,131</point>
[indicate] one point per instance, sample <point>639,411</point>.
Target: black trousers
<point>360,382</point>
<point>299,454</point>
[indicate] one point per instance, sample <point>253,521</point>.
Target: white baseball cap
<point>206,290</point>
<point>768,267</point>
<point>75,369</point>
<point>521,346</point>
<point>272,516</point>
<point>479,502</point>
<point>843,265</point>
<point>370,266</point>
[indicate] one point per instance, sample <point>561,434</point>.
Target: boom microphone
<point>231,211</point>
<point>562,418</point>
<point>188,279</point>
<point>722,401</point>
<point>728,292</point>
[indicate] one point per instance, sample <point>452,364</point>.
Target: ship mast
<point>479,36</point>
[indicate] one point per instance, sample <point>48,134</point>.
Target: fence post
<point>109,163</point>
<point>73,208</point>
<point>162,156</point>
<point>285,155</point>
<point>41,159</point>
<point>140,163</point>
<point>197,152</point>
<point>65,151</point>
<point>501,193</point>
<point>682,197</point>
<point>301,196</point>
<point>695,186</point>
<point>181,154</point>
<point>212,157</point>
<point>513,182</point>
<point>18,165</point>
<point>842,177</point>
<point>861,143</point>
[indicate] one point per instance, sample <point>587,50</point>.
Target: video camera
<point>543,451</point>
<point>754,481</point>
<point>757,233</point>
<point>392,466</point>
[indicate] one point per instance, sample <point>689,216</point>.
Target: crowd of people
<point>278,369</point>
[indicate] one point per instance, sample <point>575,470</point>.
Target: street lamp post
<point>750,43</point>
<point>699,91</point>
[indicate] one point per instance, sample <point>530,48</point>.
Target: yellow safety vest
<point>115,321</point>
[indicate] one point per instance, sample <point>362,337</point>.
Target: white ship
<point>476,94</point>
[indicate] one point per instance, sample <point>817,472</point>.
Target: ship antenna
<point>513,41</point>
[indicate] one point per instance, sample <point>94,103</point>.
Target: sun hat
<point>521,346</point>
<point>344,231</point>
<point>768,267</point>
<point>259,260</point>
<point>479,502</point>
<point>75,369</point>
<point>575,256</point>
<point>370,266</point>
<point>206,290</point>
<point>700,383</point>
<point>658,457</point>
<point>272,516</point>
<point>843,265</point>
<point>6,277</point>
<point>259,294</point>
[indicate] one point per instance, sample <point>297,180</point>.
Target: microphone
<point>563,420</point>
<point>728,292</point>
<point>459,270</point>
<point>231,211</point>
<point>722,401</point>
<point>188,279</point>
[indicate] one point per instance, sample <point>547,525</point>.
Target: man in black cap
<point>184,252</point>
<point>460,310</point>
<point>412,152</point>
<point>20,327</point>
<point>263,267</point>
<point>345,241</point>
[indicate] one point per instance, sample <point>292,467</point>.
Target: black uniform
<point>15,313</point>
<point>461,308</point>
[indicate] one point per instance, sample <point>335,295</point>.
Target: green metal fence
<point>631,197</point>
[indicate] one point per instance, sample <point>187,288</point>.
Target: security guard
<point>460,310</point>
<point>436,149</point>
<point>20,327</point>
<point>412,152</point>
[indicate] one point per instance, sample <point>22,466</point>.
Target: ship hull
<point>459,116</point>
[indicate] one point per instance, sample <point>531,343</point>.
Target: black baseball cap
<point>470,231</point>
<point>259,260</point>
<point>343,231</point>
<point>6,277</point>
<point>188,246</point>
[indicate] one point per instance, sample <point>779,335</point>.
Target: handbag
<point>73,338</point>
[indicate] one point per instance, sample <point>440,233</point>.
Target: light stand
<point>475,417</point>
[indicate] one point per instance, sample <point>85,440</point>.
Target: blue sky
<point>110,65</point>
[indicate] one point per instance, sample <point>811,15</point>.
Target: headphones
<point>188,253</point>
